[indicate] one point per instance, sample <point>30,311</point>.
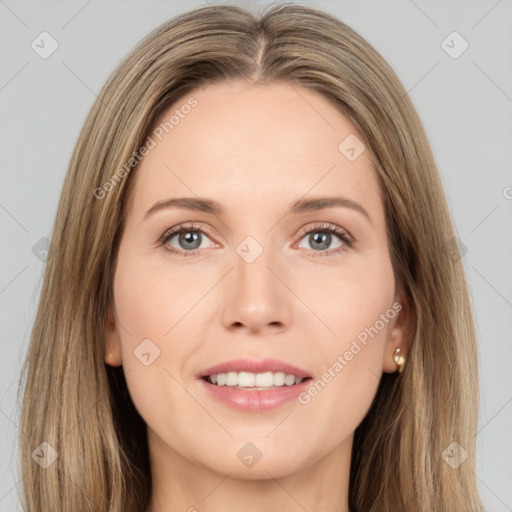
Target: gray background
<point>465,104</point>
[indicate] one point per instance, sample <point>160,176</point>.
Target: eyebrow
<point>215,208</point>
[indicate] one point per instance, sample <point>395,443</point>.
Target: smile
<point>254,381</point>
<point>254,386</point>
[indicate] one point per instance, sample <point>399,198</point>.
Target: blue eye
<point>321,237</point>
<point>191,238</point>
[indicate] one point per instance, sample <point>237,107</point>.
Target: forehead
<point>241,142</point>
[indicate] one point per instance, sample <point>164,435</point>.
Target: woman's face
<point>257,283</point>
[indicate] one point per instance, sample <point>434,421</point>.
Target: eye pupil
<point>321,237</point>
<point>190,237</point>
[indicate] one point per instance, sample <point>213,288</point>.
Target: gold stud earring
<point>110,359</point>
<point>399,360</point>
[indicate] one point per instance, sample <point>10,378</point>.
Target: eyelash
<point>346,238</point>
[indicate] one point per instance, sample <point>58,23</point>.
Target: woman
<point>244,371</point>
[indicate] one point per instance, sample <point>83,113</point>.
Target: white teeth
<point>254,380</point>
<point>279,378</point>
<point>289,380</point>
<point>264,380</point>
<point>231,379</point>
<point>246,379</point>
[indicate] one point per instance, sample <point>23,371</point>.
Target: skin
<point>255,150</point>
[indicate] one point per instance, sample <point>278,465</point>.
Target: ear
<point>400,333</point>
<point>112,341</point>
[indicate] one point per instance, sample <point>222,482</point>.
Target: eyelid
<point>182,226</point>
<point>327,226</point>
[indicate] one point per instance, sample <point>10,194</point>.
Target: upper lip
<point>254,366</point>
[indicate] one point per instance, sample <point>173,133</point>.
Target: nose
<point>256,297</point>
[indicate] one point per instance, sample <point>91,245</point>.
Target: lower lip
<point>255,400</point>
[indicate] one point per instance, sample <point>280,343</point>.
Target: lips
<point>254,399</point>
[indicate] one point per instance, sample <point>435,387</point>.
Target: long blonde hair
<point>82,408</point>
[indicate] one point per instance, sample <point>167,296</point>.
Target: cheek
<point>358,309</point>
<point>352,300</point>
<point>151,308</point>
<point>151,300</point>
